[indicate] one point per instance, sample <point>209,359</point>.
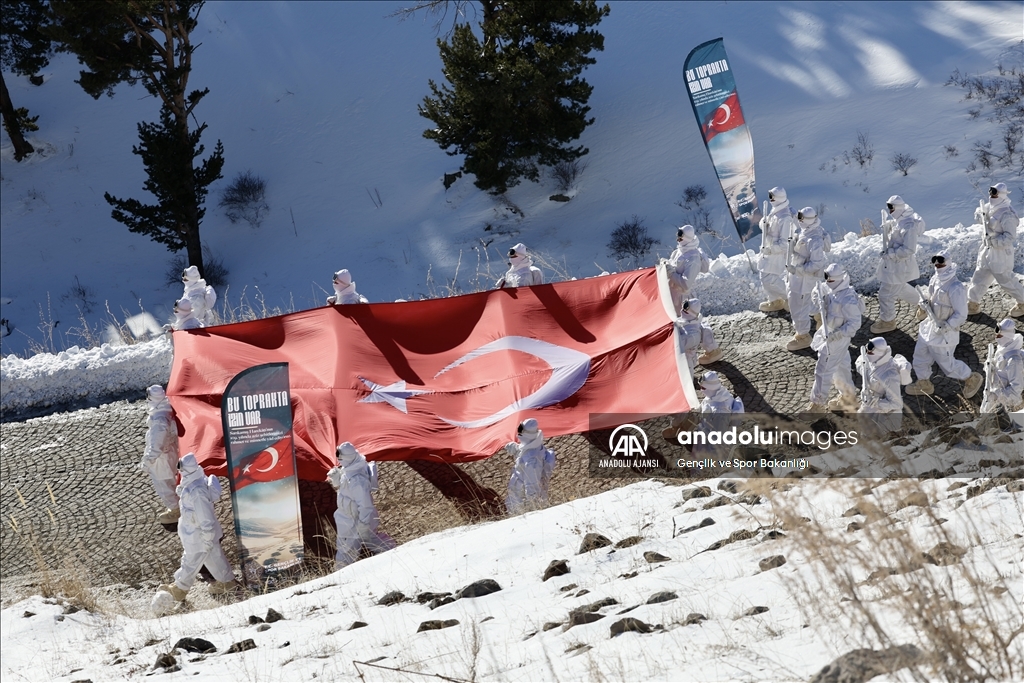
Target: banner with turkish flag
<point>256,423</point>
<point>444,379</point>
<point>716,104</point>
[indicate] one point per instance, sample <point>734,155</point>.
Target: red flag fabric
<point>270,464</point>
<point>727,116</point>
<point>445,379</point>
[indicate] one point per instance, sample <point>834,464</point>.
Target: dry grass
<point>892,582</point>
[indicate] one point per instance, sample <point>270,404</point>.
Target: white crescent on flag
<point>722,109</point>
<point>569,371</point>
<point>273,461</point>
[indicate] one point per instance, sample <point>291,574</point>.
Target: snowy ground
<point>755,622</point>
<point>320,100</point>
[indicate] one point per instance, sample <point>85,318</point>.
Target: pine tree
<point>148,42</point>
<point>515,100</point>
<point>164,157</point>
<point>25,48</point>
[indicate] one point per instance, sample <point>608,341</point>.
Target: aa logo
<point>628,441</point>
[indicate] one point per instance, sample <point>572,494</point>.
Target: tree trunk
<point>190,209</point>
<point>21,147</point>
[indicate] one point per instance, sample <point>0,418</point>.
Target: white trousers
<point>833,367</point>
<point>983,277</point>
<point>164,489</point>
<point>351,543</point>
<point>774,285</point>
<point>707,340</point>
<point>926,355</point>
<point>889,293</point>
<point>800,311</point>
<point>191,562</point>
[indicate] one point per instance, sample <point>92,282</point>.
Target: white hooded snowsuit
<point>840,322</point>
<point>898,265</point>
<point>715,409</point>
<point>684,265</point>
<point>356,517</point>
<point>202,297</point>
<point>694,334</point>
<point>806,271</point>
<point>1005,383</point>
<point>881,400</point>
<point>995,259</point>
<point>531,470</point>
<point>345,290</point>
<point>198,528</point>
<point>521,271</point>
<point>184,318</point>
<point>936,343</point>
<point>776,229</point>
<point>160,457</point>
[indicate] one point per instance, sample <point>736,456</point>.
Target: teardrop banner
<point>716,104</point>
<point>256,413</point>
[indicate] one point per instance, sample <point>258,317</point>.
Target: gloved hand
<point>763,223</point>
<point>791,270</point>
<point>207,537</point>
<point>766,250</point>
<point>834,337</point>
<point>168,327</point>
<point>512,448</point>
<point>979,215</point>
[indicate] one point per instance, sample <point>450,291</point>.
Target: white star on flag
<point>394,394</point>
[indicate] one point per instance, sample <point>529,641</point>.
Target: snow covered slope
<point>320,100</point>
<point>724,591</point>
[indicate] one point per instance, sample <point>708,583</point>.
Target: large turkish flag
<point>445,379</point>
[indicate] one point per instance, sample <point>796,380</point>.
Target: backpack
<point>737,405</point>
<point>904,365</point>
<point>919,226</point>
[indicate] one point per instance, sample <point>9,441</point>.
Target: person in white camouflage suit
<point>898,264</point>
<point>200,533</point>
<point>839,324</point>
<point>776,229</point>
<point>521,271</point>
<point>356,517</point>
<point>881,400</point>
<point>184,319</point>
<point>532,467</point>
<point>995,259</point>
<point>345,290</point>
<point>202,297</point>
<point>938,336</point>
<point>805,273</point>
<point>1005,382</point>
<point>696,335</point>
<point>686,262</point>
<point>160,457</point>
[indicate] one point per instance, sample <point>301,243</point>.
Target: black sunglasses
<point>511,252</point>
<point>939,260</point>
<point>890,207</point>
<point>993,192</point>
<point>870,347</point>
<point>519,429</point>
<point>771,196</point>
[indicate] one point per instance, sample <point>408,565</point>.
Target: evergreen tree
<point>515,100</point>
<point>25,48</point>
<point>148,42</point>
<point>164,157</point>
